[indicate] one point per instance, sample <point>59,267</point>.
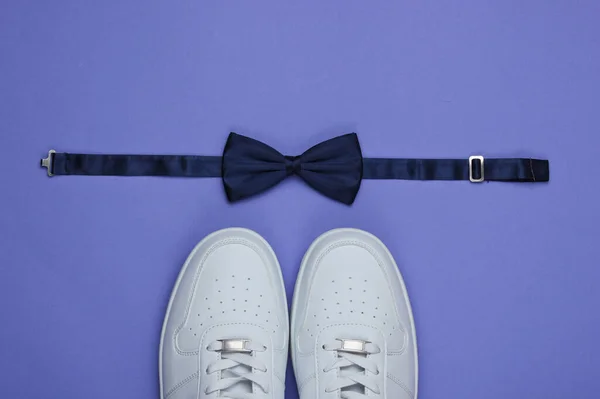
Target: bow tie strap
<point>334,167</point>
<point>495,169</point>
<point>132,165</point>
<point>476,169</point>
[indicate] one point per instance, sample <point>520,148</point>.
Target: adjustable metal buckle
<point>48,162</point>
<point>480,159</point>
<point>353,346</point>
<point>234,345</point>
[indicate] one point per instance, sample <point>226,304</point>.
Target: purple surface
<point>503,277</point>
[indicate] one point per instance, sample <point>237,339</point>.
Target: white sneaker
<point>225,334</point>
<point>353,333</point>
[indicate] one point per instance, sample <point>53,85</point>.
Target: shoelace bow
<point>359,378</point>
<point>230,362</point>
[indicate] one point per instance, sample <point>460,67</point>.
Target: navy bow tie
<point>334,167</point>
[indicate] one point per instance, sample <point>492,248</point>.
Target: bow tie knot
<point>292,165</point>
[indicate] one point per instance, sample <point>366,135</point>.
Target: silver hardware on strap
<point>353,346</point>
<point>234,345</point>
<point>480,159</point>
<point>49,162</point>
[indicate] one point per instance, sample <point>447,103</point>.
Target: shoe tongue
<point>353,370</point>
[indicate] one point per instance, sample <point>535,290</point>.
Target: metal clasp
<point>234,345</point>
<point>48,162</point>
<point>480,159</point>
<point>353,346</point>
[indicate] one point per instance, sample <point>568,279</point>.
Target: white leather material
<point>349,287</point>
<point>229,288</point>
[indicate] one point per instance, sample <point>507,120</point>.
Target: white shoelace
<point>238,368</point>
<point>353,372</point>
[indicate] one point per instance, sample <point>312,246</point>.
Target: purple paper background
<point>503,277</point>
